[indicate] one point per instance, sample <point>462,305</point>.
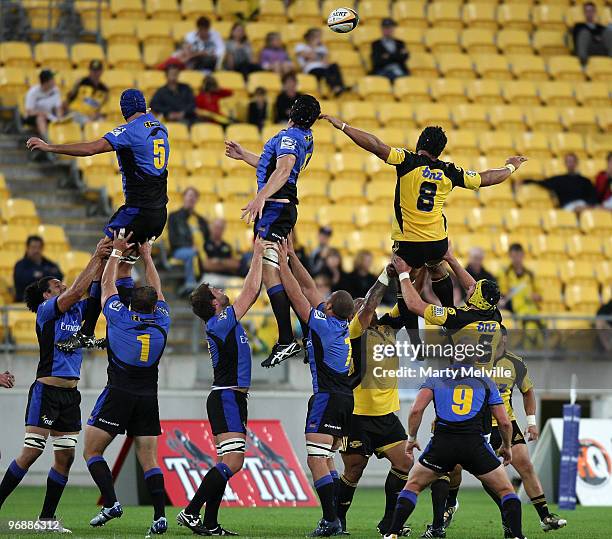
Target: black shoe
<point>78,340</point>
<point>552,522</point>
<point>384,525</point>
<point>327,529</point>
<point>449,514</point>
<point>433,532</point>
<point>280,353</point>
<point>193,522</point>
<point>220,530</point>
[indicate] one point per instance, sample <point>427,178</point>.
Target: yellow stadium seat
<point>307,84</point>
<point>559,222</point>
<point>492,66</point>
<point>16,54</point>
<point>347,165</point>
<point>604,120</point>
<point>549,43</point>
<point>375,218</point>
<point>514,16</point>
<point>13,84</point>
<point>603,271</point>
<point>422,65</point>
<point>124,56</point>
<point>168,10</point>
<point>231,9</point>
<point>65,133</point>
<point>363,39</point>
<point>410,13</point>
<point>501,196</point>
<point>514,42</point>
<point>462,143</point>
<point>596,223</point>
<point>456,220</point>
<point>577,272</point>
<point>496,143</point>
<point>314,192</point>
<point>598,147</point>
<point>471,117</point>
<point>362,113</point>
<point>323,135</point>
<point>462,198</point>
<point>457,66</point>
<point>533,196</point>
<point>338,216</point>
<point>245,134</point>
<point>411,89</point>
<point>464,242</point>
<point>318,167</point>
<point>547,272</point>
<point>119,31</point>
<point>549,17</point>
<point>565,68</point>
<point>587,248</point>
<point>444,15</point>
<point>449,91</point>
<point>90,12</point>
<point>153,54</point>
<point>543,119</point>
<point>52,56</point>
<point>562,143</point>
<point>480,15</point>
<point>203,163</point>
<point>582,299</point>
<point>485,220</point>
<point>192,9</point>
<point>272,11</point>
<point>534,144</point>
<point>592,94</point>
<point>269,81</point>
<point>551,297</point>
<point>179,134</point>
<point>208,136</point>
<point>413,37</point>
<point>519,92</point>
<point>396,115</point>
<point>21,324</point>
<point>442,40</point>
<point>350,62</point>
<point>528,68</point>
<point>55,238</point>
<point>20,211</point>
<point>4,190</point>
<point>83,53</point>
<point>257,32</point>
<point>558,93</point>
<point>236,188</point>
<point>149,81</point>
<point>367,239</point>
<point>484,92</point>
<point>154,32</point>
<point>96,130</point>
<point>433,114</point>
<point>371,12</point>
<point>599,68</point>
<point>580,119</point>
<point>304,11</point>
<point>375,88</point>
<point>13,237</point>
<point>478,41</point>
<point>347,192</point>
<point>507,118</point>
<point>549,246</point>
<point>127,9</point>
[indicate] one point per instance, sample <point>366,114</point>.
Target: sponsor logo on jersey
<point>288,143</point>
<point>46,420</point>
<point>319,315</point>
<point>116,305</point>
<point>117,131</point>
<point>71,326</point>
<point>438,311</point>
<point>470,173</point>
<point>149,125</point>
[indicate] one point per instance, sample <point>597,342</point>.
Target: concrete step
<point>33,171</point>
<point>13,156</point>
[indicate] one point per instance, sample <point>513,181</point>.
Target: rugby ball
<point>343,20</point>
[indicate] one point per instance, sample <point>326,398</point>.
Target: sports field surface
<point>477,517</point>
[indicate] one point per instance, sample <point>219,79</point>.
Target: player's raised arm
<point>374,296</point>
<point>465,279</point>
<point>305,280</point>
<point>411,296</point>
<point>151,275</point>
<point>120,245</point>
<point>79,149</point>
<point>298,300</point>
<point>73,294</point>
<point>234,150</point>
<point>494,176</point>
<point>252,282</point>
<point>363,139</point>
<point>505,429</point>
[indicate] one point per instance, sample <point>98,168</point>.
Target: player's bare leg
<point>401,463</point>
<point>354,465</point>
<point>96,442</point>
<point>498,481</point>
<point>441,282</point>
<point>146,452</point>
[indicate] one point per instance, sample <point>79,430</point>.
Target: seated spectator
<point>258,108</point>
<point>312,56</point>
<point>360,280</point>
<point>590,37</point>
<point>208,107</point>
<point>323,283</point>
<point>573,191</point>
<point>239,53</point>
<point>174,101</point>
<point>43,103</point>
<point>517,285</point>
<point>273,56</point>
<point>85,100</point>
<point>285,99</point>
<point>388,54</point>
<point>33,266</point>
<point>603,185</point>
<point>475,265</point>
<point>207,48</point>
<point>219,254</point>
<point>316,260</point>
<point>187,230</point>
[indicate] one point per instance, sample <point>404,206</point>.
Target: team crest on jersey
<point>288,143</point>
<point>116,305</point>
<point>470,173</point>
<point>117,131</point>
<point>223,315</point>
<point>319,315</point>
<point>438,311</point>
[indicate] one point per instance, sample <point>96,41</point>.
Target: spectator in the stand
<point>518,286</point>
<point>258,108</point>
<point>33,266</point>
<point>219,254</point>
<point>590,37</point>
<point>603,185</point>
<point>85,100</point>
<point>174,101</point>
<point>312,56</point>
<point>273,56</point>
<point>475,265</point>
<point>208,102</point>
<point>43,103</point>
<point>238,52</point>
<point>573,191</point>
<point>184,227</point>
<point>316,260</point>
<point>389,54</point>
<point>361,279</point>
<point>323,283</point>
<point>206,45</point>
<point>286,98</point>
<point>333,269</point>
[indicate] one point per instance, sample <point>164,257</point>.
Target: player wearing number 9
<point>137,333</point>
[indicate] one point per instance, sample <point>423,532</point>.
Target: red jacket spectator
<point>208,101</point>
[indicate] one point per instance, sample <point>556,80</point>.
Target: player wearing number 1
<point>137,336</point>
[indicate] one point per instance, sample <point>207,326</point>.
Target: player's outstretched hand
<point>120,242</point>
<point>411,446</point>
<point>234,150</point>
<point>35,143</point>
<point>260,245</point>
<point>532,433</point>
<point>290,248</point>
<point>391,271</point>
<point>400,264</point>
<point>506,454</point>
<point>145,248</point>
<point>334,121</point>
<point>104,248</point>
<point>253,210</point>
<point>516,160</point>
<point>283,251</point>
<point>7,380</point>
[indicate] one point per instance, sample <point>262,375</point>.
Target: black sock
<point>439,493</point>
<point>211,512</point>
<point>336,477</point>
<point>92,310</point>
<point>406,502</point>
<point>346,491</point>
<point>281,309</point>
<point>396,479</point>
<point>496,499</point>
<point>451,499</point>
<point>511,508</point>
<point>541,506</point>
<point>154,478</point>
<point>325,490</point>
<point>125,287</point>
<point>101,474</point>
<point>410,320</point>
<point>13,476</point>
<point>55,487</point>
<point>443,288</point>
<point>214,482</point>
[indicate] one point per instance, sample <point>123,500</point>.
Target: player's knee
<point>63,461</point>
<point>354,471</point>
<point>234,461</point>
<point>436,270</point>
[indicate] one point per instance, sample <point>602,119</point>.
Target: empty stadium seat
<point>462,142</point>
<point>442,40</point>
<point>457,66</point>
<point>411,89</point>
<point>492,66</point>
<point>433,114</point>
<point>362,113</point>
<point>480,15</point>
<point>565,68</point>
<point>346,165</point>
<point>485,220</point>
<point>444,15</point>
<point>528,68</point>
<point>409,13</point>
<point>65,133</point>
<point>168,10</point>
<point>521,92</point>
<point>373,217</point>
<point>52,56</point>
<point>155,32</point>
<point>507,118</point>
<point>126,9</point>
<point>562,143</point>
<point>559,222</point>
<point>124,56</point>
<point>375,88</point>
<point>549,43</point>
<point>587,248</point>
<point>514,16</point>
<point>549,247</point>
<point>13,86</point>
<point>347,191</point>
<point>478,41</point>
<point>596,223</point>
<point>496,144</point>
<point>304,11</point>
<point>558,93</point>
<point>500,197</point>
<point>13,237</point>
<point>396,115</point>
<point>484,92</point>
<point>592,94</point>
<point>543,119</point>
<point>338,216</point>
<point>514,42</point>
<point>19,211</point>
<point>548,17</point>
<point>448,91</point>
<point>577,272</point>
<point>413,37</point>
<point>462,198</point>
<point>16,54</point>
<point>582,299</point>
<point>599,68</point>
<point>534,144</point>
<point>272,11</point>
<point>533,196</point>
<point>471,117</point>
<point>208,136</point>
<point>580,120</point>
<point>192,9</point>
<point>422,65</point>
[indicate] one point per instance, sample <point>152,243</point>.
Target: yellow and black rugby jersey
<point>481,330</point>
<point>380,396</point>
<point>87,97</point>
<point>520,290</point>
<point>519,377</point>
<point>421,189</point>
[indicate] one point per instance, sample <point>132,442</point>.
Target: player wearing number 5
<point>137,336</point>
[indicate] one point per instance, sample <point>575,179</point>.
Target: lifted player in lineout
<point>274,209</point>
